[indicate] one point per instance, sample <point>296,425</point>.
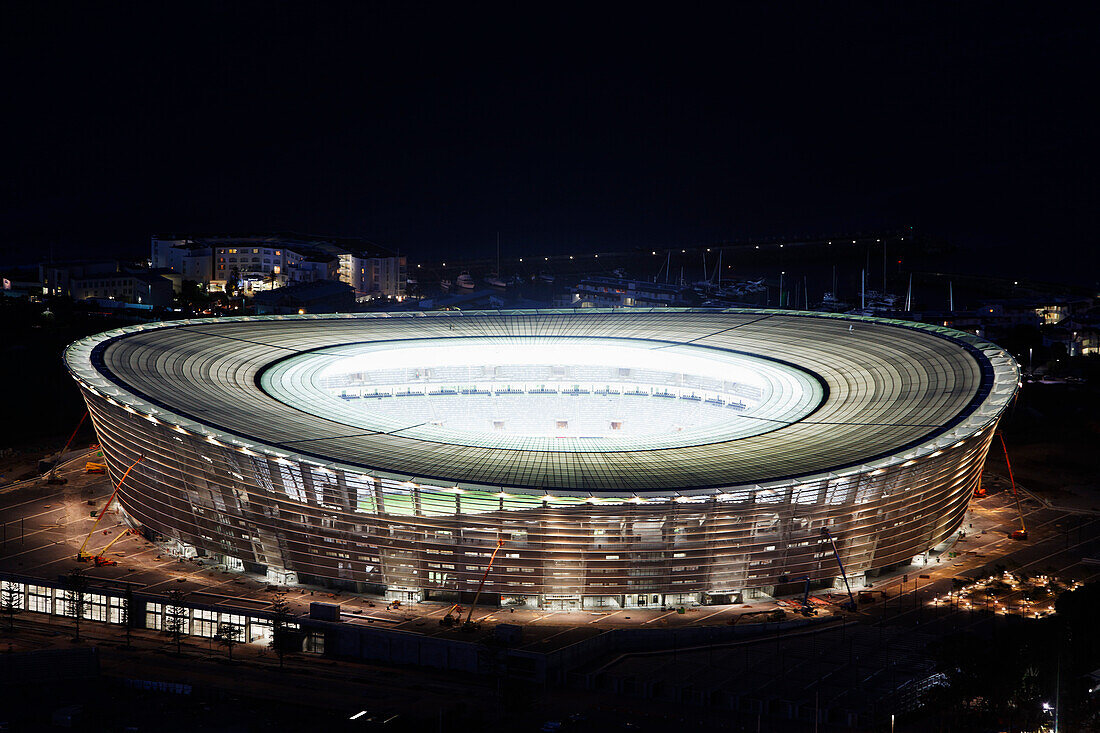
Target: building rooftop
<point>302,243</point>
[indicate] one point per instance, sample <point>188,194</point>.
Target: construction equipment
<point>451,617</point>
<point>851,605</point>
<point>91,467</point>
<point>468,625</point>
<point>979,492</point>
<point>1021,533</point>
<point>122,534</point>
<point>100,559</point>
<point>83,556</point>
<point>53,478</point>
<point>807,607</point>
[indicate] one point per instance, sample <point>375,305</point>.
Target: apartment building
<point>266,261</point>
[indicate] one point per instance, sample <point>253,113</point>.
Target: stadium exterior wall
<point>343,528</point>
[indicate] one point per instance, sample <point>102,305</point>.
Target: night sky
<point>430,130</point>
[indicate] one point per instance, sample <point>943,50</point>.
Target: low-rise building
<point>106,279</point>
<point>190,259</point>
<point>259,262</point>
<point>1056,310</point>
<point>1076,337</point>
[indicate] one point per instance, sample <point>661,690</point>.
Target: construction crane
<point>1021,533</point>
<point>468,625</point>
<point>101,558</point>
<point>53,478</point>
<point>83,556</point>
<point>851,599</point>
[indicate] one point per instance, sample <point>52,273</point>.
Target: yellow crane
<point>83,556</point>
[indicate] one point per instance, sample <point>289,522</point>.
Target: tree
<point>1004,685</point>
<point>76,597</point>
<point>280,623</point>
<point>11,602</point>
<point>229,636</point>
<point>232,282</point>
<point>175,618</point>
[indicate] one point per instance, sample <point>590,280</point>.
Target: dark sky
<point>429,130</point>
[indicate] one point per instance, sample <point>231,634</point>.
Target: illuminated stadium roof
<point>570,402</point>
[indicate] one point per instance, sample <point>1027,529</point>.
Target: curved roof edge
<point>1003,380</point>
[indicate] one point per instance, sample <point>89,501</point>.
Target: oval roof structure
<point>846,394</point>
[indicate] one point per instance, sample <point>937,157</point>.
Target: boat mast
<point>884,288</point>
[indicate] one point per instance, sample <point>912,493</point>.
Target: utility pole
<point>884,288</point>
<point>1057,691</point>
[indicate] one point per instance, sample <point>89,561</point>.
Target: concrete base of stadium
<point>642,600</point>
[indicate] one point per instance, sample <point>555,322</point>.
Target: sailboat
<point>494,278</point>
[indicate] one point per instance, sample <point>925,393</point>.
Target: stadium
<point>618,459</point>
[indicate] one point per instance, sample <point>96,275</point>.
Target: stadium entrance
<point>562,603</point>
<point>643,600</point>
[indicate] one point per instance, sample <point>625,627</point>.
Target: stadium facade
<point>623,459</point>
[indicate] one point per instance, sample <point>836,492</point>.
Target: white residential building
<point>263,262</point>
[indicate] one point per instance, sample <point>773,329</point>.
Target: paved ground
<point>43,525</point>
